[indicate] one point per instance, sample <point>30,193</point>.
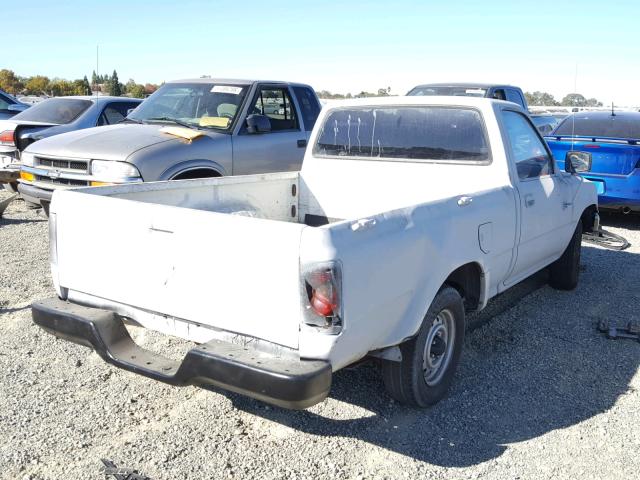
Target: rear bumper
<point>288,383</point>
<point>617,192</point>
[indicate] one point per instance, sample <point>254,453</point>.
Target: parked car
<point>544,122</point>
<point>10,105</point>
<point>605,146</point>
<point>53,117</point>
<point>407,212</point>
<point>486,90</point>
<point>187,129</point>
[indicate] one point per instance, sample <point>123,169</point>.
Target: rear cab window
<point>414,133</point>
<point>309,106</point>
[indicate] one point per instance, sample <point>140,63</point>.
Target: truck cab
<point>486,90</point>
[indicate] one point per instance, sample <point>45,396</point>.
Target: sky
<point>555,46</point>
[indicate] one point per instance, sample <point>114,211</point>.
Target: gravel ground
<point>539,394</point>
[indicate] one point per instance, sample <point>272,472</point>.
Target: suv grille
<point>62,181</point>
<point>66,164</point>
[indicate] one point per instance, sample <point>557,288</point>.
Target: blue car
<point>10,105</point>
<point>603,147</point>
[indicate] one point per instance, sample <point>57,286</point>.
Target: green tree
<point>134,89</point>
<point>37,85</point>
<point>86,88</point>
<point>593,102</point>
<point>574,100</point>
<point>60,87</point>
<point>540,98</point>
<point>9,82</point>
<point>94,78</point>
<point>115,87</point>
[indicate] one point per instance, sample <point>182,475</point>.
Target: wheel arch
<point>587,217</point>
<point>469,281</point>
<point>192,166</point>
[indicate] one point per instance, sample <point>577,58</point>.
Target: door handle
<point>529,201</point>
<point>302,143</point>
<point>464,201</point>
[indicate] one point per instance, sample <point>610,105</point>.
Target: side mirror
<point>258,124</point>
<point>577,162</point>
<point>130,111</point>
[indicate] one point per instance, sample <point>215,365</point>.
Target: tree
<point>134,89</point>
<point>60,87</point>
<point>574,100</point>
<point>541,98</point>
<point>94,78</point>
<point>9,82</point>
<point>592,102</point>
<point>115,88</point>
<point>382,92</point>
<point>37,85</point>
<point>86,88</point>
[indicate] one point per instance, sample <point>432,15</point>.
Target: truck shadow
<point>538,366</point>
<point>611,219</point>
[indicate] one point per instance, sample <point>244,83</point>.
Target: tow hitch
<point>604,238</point>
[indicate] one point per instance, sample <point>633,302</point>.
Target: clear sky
<point>338,46</point>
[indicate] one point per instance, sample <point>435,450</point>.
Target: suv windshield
<point>601,124</point>
<point>418,133</point>
<point>201,105</point>
<point>456,91</point>
<point>55,110</point>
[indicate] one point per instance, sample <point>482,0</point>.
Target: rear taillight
<point>322,294</point>
<point>7,139</point>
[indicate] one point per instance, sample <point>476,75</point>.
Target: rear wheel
<point>429,360</point>
<point>564,272</point>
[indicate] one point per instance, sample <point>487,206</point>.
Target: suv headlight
<point>113,171</point>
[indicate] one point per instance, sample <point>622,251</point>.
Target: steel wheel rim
<point>438,349</point>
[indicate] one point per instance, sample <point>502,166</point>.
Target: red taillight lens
<point>322,286</point>
<point>6,138</point>
<point>323,300</point>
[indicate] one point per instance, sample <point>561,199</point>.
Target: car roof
<point>623,114</point>
<point>233,81</point>
<point>465,84</point>
<point>99,98</point>
<point>436,100</point>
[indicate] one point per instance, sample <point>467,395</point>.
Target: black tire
<point>406,380</point>
<point>564,272</point>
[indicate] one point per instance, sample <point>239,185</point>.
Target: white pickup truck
<point>407,212</point>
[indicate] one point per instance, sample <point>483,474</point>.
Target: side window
<point>276,104</point>
<point>531,157</point>
<point>514,96</point>
<point>309,106</point>
<point>4,104</point>
<point>115,112</point>
<point>499,94</point>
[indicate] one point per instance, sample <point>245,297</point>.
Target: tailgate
<point>230,272</point>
